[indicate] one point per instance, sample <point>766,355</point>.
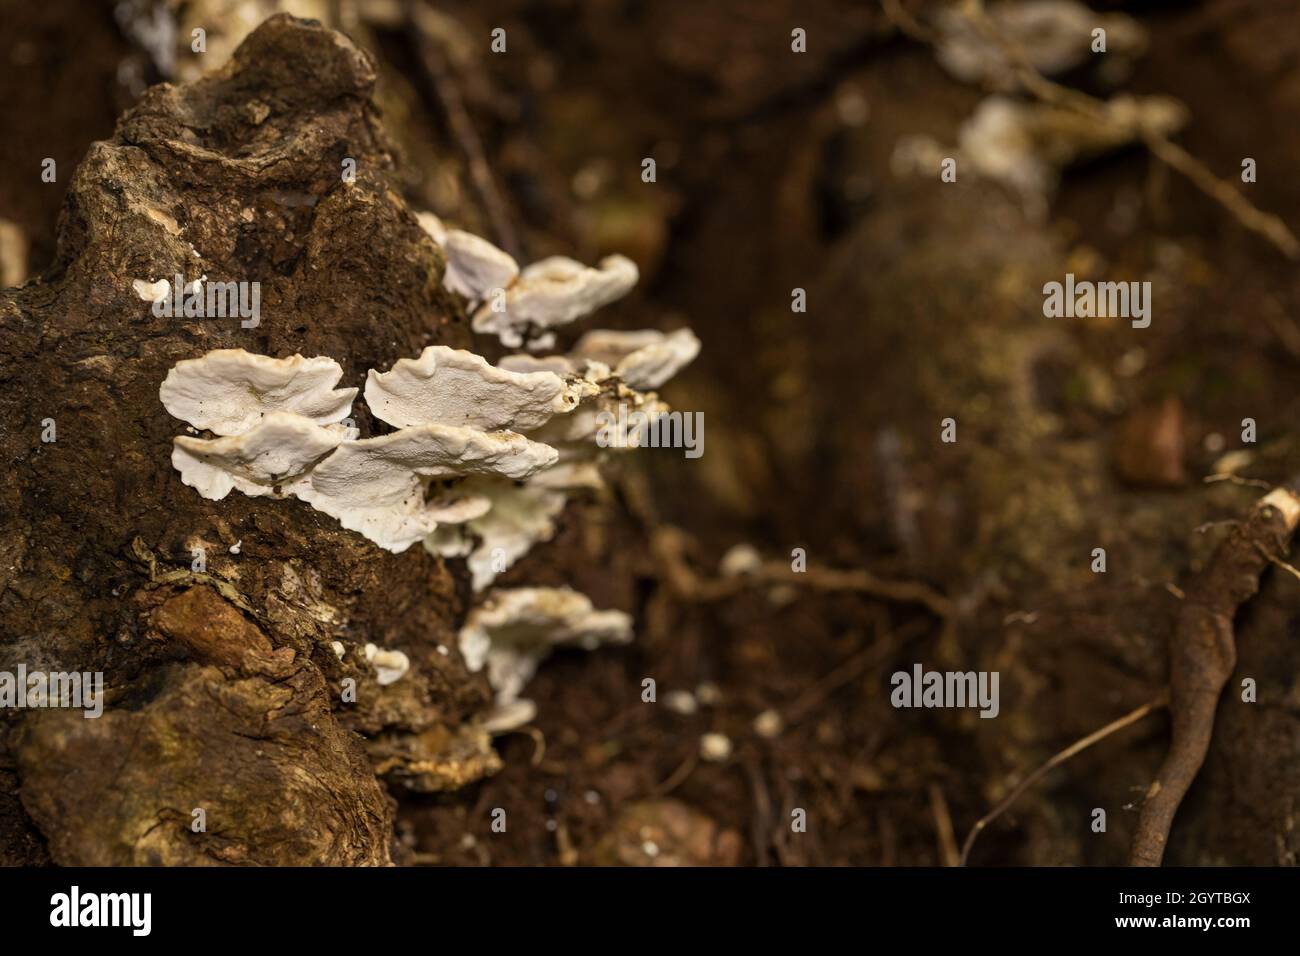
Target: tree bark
<point>222,690</point>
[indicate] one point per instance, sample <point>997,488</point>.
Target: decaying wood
<point>223,688</point>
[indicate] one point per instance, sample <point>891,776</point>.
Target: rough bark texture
<point>222,690</point>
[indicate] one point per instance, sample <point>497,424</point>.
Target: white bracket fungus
<point>643,359</point>
<point>514,630</point>
<point>433,225</point>
<point>228,391</point>
<point>475,267</point>
<point>518,517</point>
<point>569,476</point>
<point>559,364</point>
<point>276,418</point>
<point>271,458</point>
<point>377,486</point>
<point>459,506</point>
<point>552,292</point>
<point>457,387</point>
<point>277,421</point>
<point>613,406</point>
<point>458,418</point>
<point>522,515</point>
<point>510,303</point>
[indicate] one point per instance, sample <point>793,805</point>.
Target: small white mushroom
<point>390,666</point>
<point>270,458</point>
<point>376,486</point>
<point>715,748</point>
<point>162,288</point>
<point>643,359</point>
<point>514,630</point>
<point>740,559</point>
<point>553,292</point>
<point>456,387</point>
<point>681,702</point>
<point>228,391</point>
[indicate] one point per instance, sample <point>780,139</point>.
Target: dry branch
<point>1203,654</point>
<point>1056,760</point>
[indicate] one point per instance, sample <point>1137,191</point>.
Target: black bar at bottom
<point>341,907</point>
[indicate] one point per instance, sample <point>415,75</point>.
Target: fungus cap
<point>515,629</point>
<point>228,391</point>
<point>475,267</point>
<point>456,387</point>
<point>643,359</point>
<point>271,458</point>
<point>376,486</point>
<point>519,516</point>
<point>554,291</point>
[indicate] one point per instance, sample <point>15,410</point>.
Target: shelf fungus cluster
<point>525,305</point>
<point>481,459</point>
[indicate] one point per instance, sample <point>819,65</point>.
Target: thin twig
<point>1256,220</point>
<point>441,81</point>
<point>1289,568</point>
<point>846,673</point>
<point>1237,480</point>
<point>761,826</point>
<point>906,22</point>
<point>669,546</point>
<point>678,776</point>
<point>1056,760</point>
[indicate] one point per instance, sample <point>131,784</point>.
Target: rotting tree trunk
<point>221,687</point>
